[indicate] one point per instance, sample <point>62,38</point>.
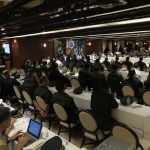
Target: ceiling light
<point>44,45</point>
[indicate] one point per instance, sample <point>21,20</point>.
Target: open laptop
<point>33,131</point>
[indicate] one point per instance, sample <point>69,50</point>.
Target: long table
<point>22,124</point>
<point>137,117</point>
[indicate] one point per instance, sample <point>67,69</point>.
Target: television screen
<point>6,48</point>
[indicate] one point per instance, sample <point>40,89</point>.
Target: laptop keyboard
<point>32,140</point>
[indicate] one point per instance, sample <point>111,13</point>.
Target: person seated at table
<point>106,63</point>
<point>8,84</point>
<point>54,75</point>
<point>98,64</point>
<point>64,99</point>
<point>43,91</point>
<point>140,64</point>
<point>117,62</point>
<point>30,83</point>
<point>128,63</point>
<point>5,123</point>
<point>116,80</point>
<point>84,77</point>
<point>102,102</point>
<point>73,62</point>
<point>134,82</point>
<point>147,83</point>
<point>96,75</point>
<point>26,66</point>
<point>44,68</point>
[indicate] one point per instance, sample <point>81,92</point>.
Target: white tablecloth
<point>22,124</point>
<point>136,117</point>
<point>132,59</point>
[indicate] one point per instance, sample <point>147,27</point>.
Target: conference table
<point>132,59</point>
<point>22,124</point>
<point>136,116</point>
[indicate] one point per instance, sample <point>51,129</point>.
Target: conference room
<point>74,75</point>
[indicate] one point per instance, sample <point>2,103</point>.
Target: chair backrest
<point>64,69</point>
<point>126,134</point>
<point>22,72</point>
<point>87,121</point>
<point>17,91</point>
<point>127,90</point>
<point>60,112</point>
<point>75,83</point>
<point>27,97</point>
<point>146,97</point>
<point>55,143</point>
<point>41,103</point>
<point>75,69</point>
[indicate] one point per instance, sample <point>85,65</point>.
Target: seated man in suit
<point>5,123</point>
<point>140,64</point>
<point>8,84</point>
<point>147,83</point>
<point>102,102</point>
<point>116,80</point>
<point>30,83</point>
<point>128,63</point>
<point>64,99</point>
<point>43,92</point>
<point>84,77</point>
<point>134,82</point>
<point>96,75</point>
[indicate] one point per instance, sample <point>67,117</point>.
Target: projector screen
<point>6,48</point>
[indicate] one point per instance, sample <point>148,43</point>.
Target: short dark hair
<point>141,58</point>
<point>60,85</point>
<point>131,73</point>
<point>4,113</point>
<point>103,85</point>
<point>115,67</point>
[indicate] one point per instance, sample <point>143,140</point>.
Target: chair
<point>75,69</point>
<point>29,101</point>
<point>20,98</point>
<point>44,108</point>
<point>63,117</point>
<point>22,72</point>
<point>146,97</point>
<point>90,128</point>
<point>55,143</point>
<point>126,134</point>
<point>75,83</point>
<point>127,90</point>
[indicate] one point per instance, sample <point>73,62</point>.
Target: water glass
<point>45,134</point>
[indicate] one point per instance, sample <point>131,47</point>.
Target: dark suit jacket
<point>101,105</point>
<point>141,65</point>
<point>129,64</point>
<point>44,92</point>
<point>95,78</point>
<point>8,84</point>
<point>84,78</point>
<point>115,79</point>
<point>147,85</point>
<point>67,101</point>
<point>29,87</point>
<point>135,83</point>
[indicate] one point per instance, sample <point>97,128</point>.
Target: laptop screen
<point>34,128</point>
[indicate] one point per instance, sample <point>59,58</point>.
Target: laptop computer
<point>33,131</point>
